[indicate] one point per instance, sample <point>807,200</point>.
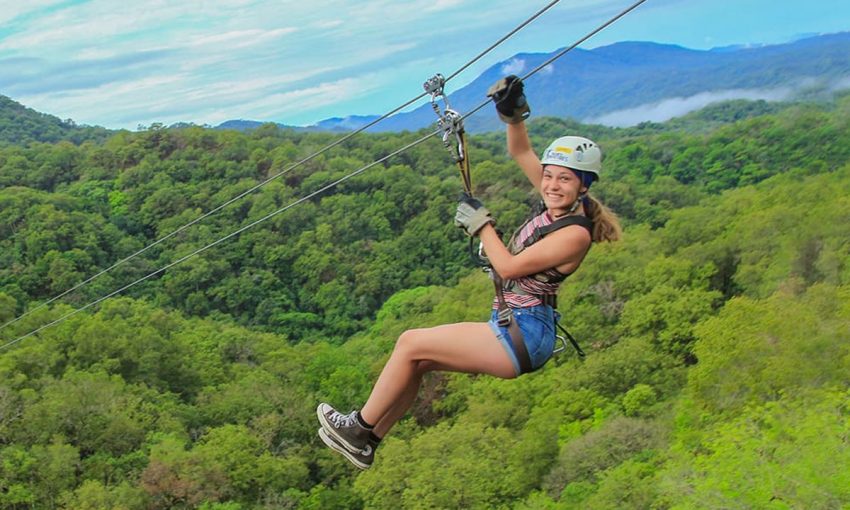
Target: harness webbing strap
<point>463,163</point>
<point>507,320</point>
<point>560,223</point>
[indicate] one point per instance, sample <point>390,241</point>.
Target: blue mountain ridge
<point>584,84</point>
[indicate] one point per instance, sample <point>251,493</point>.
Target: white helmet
<point>574,152</point>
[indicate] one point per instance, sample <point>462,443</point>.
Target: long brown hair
<point>606,225</point>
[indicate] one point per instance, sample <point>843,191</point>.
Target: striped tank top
<point>524,291</point>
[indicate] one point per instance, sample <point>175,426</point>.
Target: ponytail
<point>606,225</point>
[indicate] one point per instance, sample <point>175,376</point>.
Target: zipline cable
<point>220,207</point>
<point>586,37</point>
<point>560,54</point>
<point>503,39</point>
<point>320,190</point>
<point>284,171</point>
<point>228,236</point>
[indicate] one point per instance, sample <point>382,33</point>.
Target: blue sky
<point>136,62</point>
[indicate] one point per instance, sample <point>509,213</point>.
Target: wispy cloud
<point>240,38</point>
<point>678,106</point>
<point>441,5</point>
<point>14,10</point>
<point>284,103</point>
<point>120,64</point>
<point>514,66</point>
<point>840,84</point>
<point>549,69</point>
<point>328,24</point>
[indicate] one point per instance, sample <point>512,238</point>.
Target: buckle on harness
<point>563,338</point>
<point>563,346</point>
<point>505,316</point>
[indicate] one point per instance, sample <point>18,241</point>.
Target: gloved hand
<point>471,215</point>
<point>510,100</point>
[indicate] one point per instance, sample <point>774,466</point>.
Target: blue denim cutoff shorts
<point>537,324</point>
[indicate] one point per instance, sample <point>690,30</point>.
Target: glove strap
<point>519,115</point>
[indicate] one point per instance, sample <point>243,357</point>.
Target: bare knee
<point>414,345</point>
<point>411,345</point>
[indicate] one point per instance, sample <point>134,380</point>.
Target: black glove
<point>471,215</point>
<point>510,100</point>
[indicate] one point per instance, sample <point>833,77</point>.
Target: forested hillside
<point>717,331</point>
<point>22,125</point>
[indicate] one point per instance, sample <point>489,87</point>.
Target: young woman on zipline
<point>520,336</point>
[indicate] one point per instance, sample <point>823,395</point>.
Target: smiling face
<point>560,188</point>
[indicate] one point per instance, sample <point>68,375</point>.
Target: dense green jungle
<point>717,330</point>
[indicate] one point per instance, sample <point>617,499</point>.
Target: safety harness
<point>454,139</point>
<point>505,316</point>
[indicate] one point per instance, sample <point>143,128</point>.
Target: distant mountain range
<point>628,82</point>
<point>349,123</point>
<point>621,84</point>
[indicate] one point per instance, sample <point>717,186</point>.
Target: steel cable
<point>228,236</point>
<point>282,172</point>
<point>314,193</point>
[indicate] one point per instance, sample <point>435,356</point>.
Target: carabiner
<point>563,346</point>
<point>451,123</point>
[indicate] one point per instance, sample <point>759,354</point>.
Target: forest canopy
<point>717,330</point>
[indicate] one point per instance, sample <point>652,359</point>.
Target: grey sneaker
<point>362,459</point>
<point>344,429</point>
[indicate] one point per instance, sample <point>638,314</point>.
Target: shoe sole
<point>333,445</point>
<point>329,430</point>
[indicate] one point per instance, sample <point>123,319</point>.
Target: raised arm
<point>519,147</point>
<point>509,97</point>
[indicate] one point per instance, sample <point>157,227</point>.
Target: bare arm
<point>519,147</point>
<point>563,249</point>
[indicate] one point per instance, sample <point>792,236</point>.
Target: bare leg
<point>399,409</point>
<point>465,347</point>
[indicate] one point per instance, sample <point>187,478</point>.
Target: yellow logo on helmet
<point>565,150</point>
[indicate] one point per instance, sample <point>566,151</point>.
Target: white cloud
<point>238,90</point>
<point>119,63</point>
<point>678,106</point>
<point>282,104</point>
<point>13,9</point>
<point>328,24</point>
<point>840,84</point>
<point>174,98</point>
<point>108,101</point>
<point>145,23</point>
<point>149,56</point>
<point>240,38</point>
<point>442,5</point>
<point>96,53</point>
<point>514,66</point>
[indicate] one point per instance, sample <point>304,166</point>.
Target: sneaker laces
<point>340,420</point>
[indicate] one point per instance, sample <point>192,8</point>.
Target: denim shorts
<point>537,324</point>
